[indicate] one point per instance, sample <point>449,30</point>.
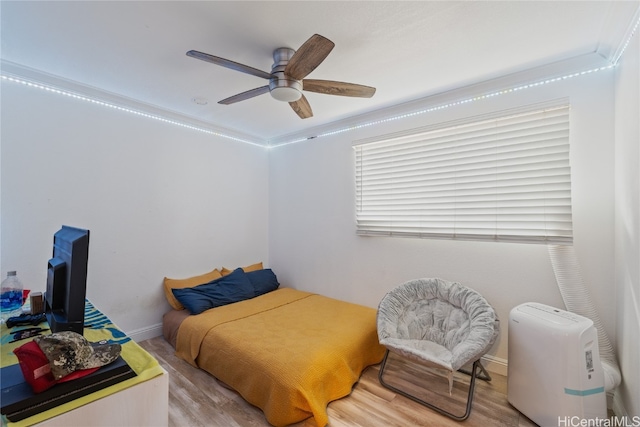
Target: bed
<point>286,351</point>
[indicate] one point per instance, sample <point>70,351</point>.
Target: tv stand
<point>145,404</point>
<point>139,401</point>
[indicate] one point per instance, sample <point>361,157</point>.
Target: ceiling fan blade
<point>329,87</point>
<point>245,95</point>
<point>228,64</point>
<point>302,108</point>
<point>308,57</point>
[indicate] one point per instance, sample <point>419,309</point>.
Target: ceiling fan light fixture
<point>284,89</point>
<point>286,94</point>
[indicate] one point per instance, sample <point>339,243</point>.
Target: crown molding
<point>618,28</point>
<point>516,81</point>
<point>519,80</point>
<point>52,82</point>
<point>614,39</point>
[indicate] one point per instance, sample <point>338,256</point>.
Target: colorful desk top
<point>98,327</point>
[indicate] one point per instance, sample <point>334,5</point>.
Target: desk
<point>139,401</point>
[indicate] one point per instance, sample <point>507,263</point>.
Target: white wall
<point>627,230</point>
<point>159,200</point>
<point>313,244</point>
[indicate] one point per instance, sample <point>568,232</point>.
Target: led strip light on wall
<point>325,134</point>
<point>626,43</point>
<point>42,86</point>
<point>121,108</point>
<point>450,104</point>
<point>612,64</point>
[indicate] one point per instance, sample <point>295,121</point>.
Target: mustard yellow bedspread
<point>287,352</point>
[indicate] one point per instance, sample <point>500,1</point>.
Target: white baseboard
<point>491,363</point>
<point>494,364</point>
<point>146,333</point>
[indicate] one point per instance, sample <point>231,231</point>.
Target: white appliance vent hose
<point>578,300</point>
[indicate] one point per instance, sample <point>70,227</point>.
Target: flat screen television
<point>67,280</point>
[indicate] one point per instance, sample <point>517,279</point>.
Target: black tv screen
<point>67,280</point>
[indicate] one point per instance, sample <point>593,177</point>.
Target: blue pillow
<point>263,281</point>
<point>225,290</point>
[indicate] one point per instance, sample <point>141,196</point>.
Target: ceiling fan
<point>287,76</point>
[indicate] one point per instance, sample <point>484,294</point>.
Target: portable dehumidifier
<point>554,370</point>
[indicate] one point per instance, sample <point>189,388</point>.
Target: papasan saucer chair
<point>441,323</point>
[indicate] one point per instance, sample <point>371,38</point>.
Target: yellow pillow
<point>187,283</point>
<point>252,267</point>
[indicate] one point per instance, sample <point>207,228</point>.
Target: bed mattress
<point>287,352</point>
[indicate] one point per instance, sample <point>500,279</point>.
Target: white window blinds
<point>505,179</point>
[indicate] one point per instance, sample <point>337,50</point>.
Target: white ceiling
<point>407,50</point>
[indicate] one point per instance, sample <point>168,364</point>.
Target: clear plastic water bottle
<point>11,296</point>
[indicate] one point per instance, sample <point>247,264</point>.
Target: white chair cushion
<point>437,321</point>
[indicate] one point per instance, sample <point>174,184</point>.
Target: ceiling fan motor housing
<point>281,86</point>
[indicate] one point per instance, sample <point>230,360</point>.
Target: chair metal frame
<point>477,366</point>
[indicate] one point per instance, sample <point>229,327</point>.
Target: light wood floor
<point>197,399</point>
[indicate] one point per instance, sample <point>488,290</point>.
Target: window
<point>502,178</point>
